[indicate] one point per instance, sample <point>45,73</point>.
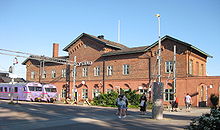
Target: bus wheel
<point>48,101</point>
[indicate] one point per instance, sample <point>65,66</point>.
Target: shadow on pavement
<point>49,116</point>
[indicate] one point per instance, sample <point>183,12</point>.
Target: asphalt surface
<point>45,116</point>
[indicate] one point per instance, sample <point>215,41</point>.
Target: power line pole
<point>74,80</point>
<point>174,70</point>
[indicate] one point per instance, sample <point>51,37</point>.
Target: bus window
<point>1,89</point>
<point>38,88</point>
<point>24,88</point>
<point>31,88</point>
<point>16,89</point>
<point>6,90</point>
<point>51,90</point>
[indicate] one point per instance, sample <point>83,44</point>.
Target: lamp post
<point>157,111</point>
<point>74,81</point>
<point>15,61</point>
<point>159,49</point>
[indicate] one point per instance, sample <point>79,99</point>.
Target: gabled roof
<point>35,60</point>
<point>127,51</point>
<point>102,41</point>
<point>147,48</point>
<point>181,42</point>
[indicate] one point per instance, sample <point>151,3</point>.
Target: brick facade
<point>142,64</point>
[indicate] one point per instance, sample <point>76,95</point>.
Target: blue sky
<point>34,25</point>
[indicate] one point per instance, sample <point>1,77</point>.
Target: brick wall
<point>141,70</point>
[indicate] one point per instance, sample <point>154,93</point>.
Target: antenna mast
<point>119,31</point>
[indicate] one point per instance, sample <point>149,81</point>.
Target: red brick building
<point>103,66</point>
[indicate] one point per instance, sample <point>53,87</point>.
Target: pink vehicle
<point>21,91</point>
<point>49,93</point>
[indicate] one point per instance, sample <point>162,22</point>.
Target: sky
<point>32,26</point>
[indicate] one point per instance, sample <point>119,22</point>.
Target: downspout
<point>149,71</point>
<point>103,76</point>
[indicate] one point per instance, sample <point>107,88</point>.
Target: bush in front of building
<point>214,100</point>
<point>133,97</point>
<point>210,121</point>
<point>109,99</point>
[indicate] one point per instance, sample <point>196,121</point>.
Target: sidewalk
<point>44,116</point>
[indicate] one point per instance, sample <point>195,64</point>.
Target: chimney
<point>55,49</point>
<point>101,36</point>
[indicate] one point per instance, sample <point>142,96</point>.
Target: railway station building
<point>103,66</point>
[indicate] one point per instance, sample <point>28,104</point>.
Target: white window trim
<point>109,70</point>
<point>44,75</point>
<point>84,71</point>
<point>53,74</point>
<point>32,75</point>
<point>169,66</point>
<point>126,69</point>
<point>97,71</point>
<point>63,71</point>
<point>190,66</point>
<point>169,94</point>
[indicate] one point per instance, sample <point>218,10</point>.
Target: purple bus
<point>21,91</point>
<point>49,93</point>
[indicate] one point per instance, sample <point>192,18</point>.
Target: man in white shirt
<point>188,102</point>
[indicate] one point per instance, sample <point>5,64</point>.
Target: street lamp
<point>159,49</point>
<point>15,61</point>
<point>157,110</point>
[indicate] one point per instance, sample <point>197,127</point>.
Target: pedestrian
<point>121,106</point>
<point>188,102</point>
<point>118,110</point>
<point>174,105</point>
<point>143,104</point>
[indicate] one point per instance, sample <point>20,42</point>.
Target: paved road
<point>44,116</point>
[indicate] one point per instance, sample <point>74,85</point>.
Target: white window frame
<point>32,75</point>
<point>109,90</point>
<point>63,71</point>
<point>95,93</point>
<point>126,70</point>
<point>85,93</point>
<point>53,74</point>
<point>63,93</point>
<point>191,66</point>
<point>169,67</point>
<point>73,73</point>
<point>168,95</point>
<point>109,70</point>
<point>141,91</point>
<point>201,70</point>
<point>44,75</point>
<point>97,71</point>
<point>84,71</point>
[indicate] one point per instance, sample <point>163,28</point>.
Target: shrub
<point>214,100</point>
<point>106,99</point>
<point>207,121</point>
<point>109,99</point>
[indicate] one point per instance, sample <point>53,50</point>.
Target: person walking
<point>143,104</point>
<point>188,102</point>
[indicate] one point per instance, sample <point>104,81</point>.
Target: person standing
<point>121,106</point>
<point>143,104</point>
<point>188,102</point>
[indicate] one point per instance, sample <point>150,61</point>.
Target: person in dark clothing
<point>143,104</point>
